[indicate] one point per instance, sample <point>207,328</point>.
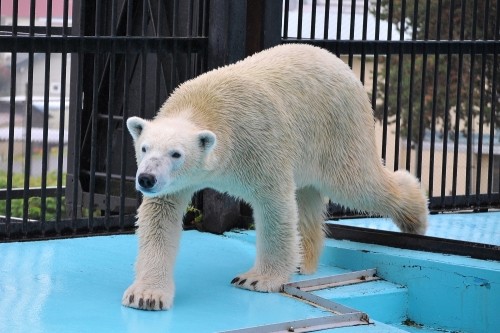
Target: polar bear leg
<point>397,195</point>
<point>311,227</point>
<point>159,229</point>
<point>410,212</point>
<point>278,245</point>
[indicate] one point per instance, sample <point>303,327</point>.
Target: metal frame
<point>307,325</point>
<point>342,316</point>
<point>414,242</point>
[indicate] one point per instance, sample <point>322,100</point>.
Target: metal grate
<point>342,316</point>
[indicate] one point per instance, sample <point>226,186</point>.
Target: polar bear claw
<point>144,298</point>
<point>258,282</point>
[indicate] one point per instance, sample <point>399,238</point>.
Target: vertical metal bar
<point>386,85</point>
<point>375,55</point>
<point>327,19</point>
<point>142,108</point>
<point>145,6</point>
<point>493,110</point>
<point>363,52</point>
<point>156,25</point>
<point>94,118</point>
<point>481,105</point>
<point>447,106</point>
<point>197,20</point>
<point>286,17</point>
<point>62,115</point>
<point>410,99</point>
<point>12,115</point>
<point>204,15</point>
<point>174,71</point>
<point>399,88</point>
<point>458,104</point>
<point>78,116</point>
<point>110,113</point>
<point>204,57</point>
<point>299,19</point>
<point>29,123</point>
<point>158,55</point>
<point>421,125</point>
<point>189,54</point>
<point>470,115</point>
<point>339,23</point>
<point>65,19</point>
<point>15,17</point>
<point>190,69</point>
<point>124,142</point>
<point>434,103</point>
<point>158,76</point>
<point>175,17</point>
<point>351,32</point>
<point>480,129</point>
<point>313,19</point>
<point>46,97</point>
<point>339,19</point>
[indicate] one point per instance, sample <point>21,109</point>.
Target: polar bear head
<point>171,154</point>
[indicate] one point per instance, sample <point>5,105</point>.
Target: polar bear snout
<point>156,174</point>
<point>146,180</point>
<point>150,184</point>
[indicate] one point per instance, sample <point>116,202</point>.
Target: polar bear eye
<point>175,154</point>
<point>143,149</point>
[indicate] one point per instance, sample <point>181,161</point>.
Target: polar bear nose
<point>146,180</point>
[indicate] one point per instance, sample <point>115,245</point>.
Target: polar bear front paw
<point>260,282</point>
<point>143,297</point>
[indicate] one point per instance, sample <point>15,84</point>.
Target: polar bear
<point>282,130</point>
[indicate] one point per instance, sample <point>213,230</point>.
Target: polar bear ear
<point>135,126</point>
<point>207,140</point>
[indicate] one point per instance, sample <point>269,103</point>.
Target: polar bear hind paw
<point>147,298</point>
<point>256,282</point>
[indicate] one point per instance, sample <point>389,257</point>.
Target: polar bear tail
<point>409,207</point>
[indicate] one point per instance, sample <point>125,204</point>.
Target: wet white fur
<point>289,126</point>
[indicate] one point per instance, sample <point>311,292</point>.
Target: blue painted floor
<point>76,285</point>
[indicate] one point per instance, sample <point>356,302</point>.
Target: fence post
<point>226,44</point>
<point>263,25</point>
<point>73,192</point>
<point>226,32</point>
<point>236,29</point>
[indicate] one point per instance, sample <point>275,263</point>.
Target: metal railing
<point>431,69</point>
<point>115,59</point>
<point>111,60</point>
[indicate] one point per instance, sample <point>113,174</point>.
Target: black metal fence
<point>110,60</point>
<point>73,71</point>
<point>142,51</point>
<point>431,68</point>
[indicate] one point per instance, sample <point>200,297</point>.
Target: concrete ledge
<point>444,291</point>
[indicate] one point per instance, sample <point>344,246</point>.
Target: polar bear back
<point>290,105</point>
